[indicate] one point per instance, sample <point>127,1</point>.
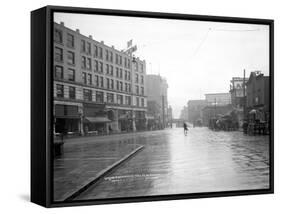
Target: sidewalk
<point>69,137</point>
<point>86,159</point>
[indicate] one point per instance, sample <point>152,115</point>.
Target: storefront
<point>95,119</point>
<point>67,119</point>
<point>96,125</point>
<point>125,120</point>
<point>141,122</point>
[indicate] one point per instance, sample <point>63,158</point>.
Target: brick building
<point>258,94</point>
<point>96,87</point>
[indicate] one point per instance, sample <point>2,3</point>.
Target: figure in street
<point>185,128</point>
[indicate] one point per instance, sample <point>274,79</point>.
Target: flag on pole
<point>134,48</point>
<point>131,50</point>
<point>129,43</point>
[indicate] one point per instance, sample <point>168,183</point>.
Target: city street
<point>111,107</point>
<point>172,163</point>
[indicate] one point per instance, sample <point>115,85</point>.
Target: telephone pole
<point>244,94</point>
<point>163,110</point>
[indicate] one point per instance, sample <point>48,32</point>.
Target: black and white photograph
<point>148,106</point>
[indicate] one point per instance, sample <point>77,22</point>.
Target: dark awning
<point>97,119</point>
<point>68,116</point>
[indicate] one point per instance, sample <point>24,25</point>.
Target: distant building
<point>96,87</point>
<point>195,109</point>
<point>217,104</point>
<point>213,111</point>
<point>218,99</point>
<point>157,98</point>
<point>258,93</point>
<point>184,114</point>
<point>237,92</point>
<point>154,113</point>
<point>170,115</point>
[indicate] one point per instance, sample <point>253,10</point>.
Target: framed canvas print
<point>131,106</point>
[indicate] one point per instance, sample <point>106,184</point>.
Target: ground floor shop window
<point>66,125</point>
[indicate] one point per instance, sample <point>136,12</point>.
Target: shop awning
<point>150,117</point>
<point>253,111</point>
<point>68,116</point>
<point>97,119</point>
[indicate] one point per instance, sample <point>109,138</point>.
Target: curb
<point>101,174</point>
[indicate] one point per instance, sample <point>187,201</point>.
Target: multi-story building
<point>258,94</point>
<point>217,104</point>
<point>194,111</point>
<point>96,87</point>
<point>170,116</point>
<point>184,114</point>
<point>157,98</point>
<point>238,92</point>
<point>238,97</point>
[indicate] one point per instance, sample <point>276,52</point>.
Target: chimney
<point>102,42</point>
<point>90,36</point>
<point>112,46</point>
<point>62,23</point>
<point>77,30</point>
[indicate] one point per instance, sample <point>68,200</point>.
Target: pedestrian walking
<point>185,128</point>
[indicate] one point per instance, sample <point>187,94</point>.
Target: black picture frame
<point>42,108</point>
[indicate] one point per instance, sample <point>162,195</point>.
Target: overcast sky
<point>195,57</point>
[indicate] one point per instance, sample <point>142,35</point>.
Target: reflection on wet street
<point>202,161</point>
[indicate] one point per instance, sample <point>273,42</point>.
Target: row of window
<point>110,83</point>
<point>99,81</point>
<point>98,66</point>
<point>60,75</point>
<point>119,73</point>
<point>88,94</point>
<point>98,51</point>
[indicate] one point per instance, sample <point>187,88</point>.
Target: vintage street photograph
<point>153,106</point>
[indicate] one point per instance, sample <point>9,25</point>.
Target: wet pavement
<point>84,158</point>
<point>172,163</point>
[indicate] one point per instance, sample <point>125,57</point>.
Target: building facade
<point>170,116</point>
<point>213,111</point>
<point>258,94</point>
<point>195,110</point>
<point>238,92</point>
<point>96,87</point>
<point>218,99</point>
<point>157,98</point>
<point>184,114</point>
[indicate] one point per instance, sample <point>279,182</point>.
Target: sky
<point>196,57</point>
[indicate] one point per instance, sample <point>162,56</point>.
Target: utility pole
<point>235,95</point>
<point>215,106</point>
<point>163,109</point>
<point>244,95</point>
